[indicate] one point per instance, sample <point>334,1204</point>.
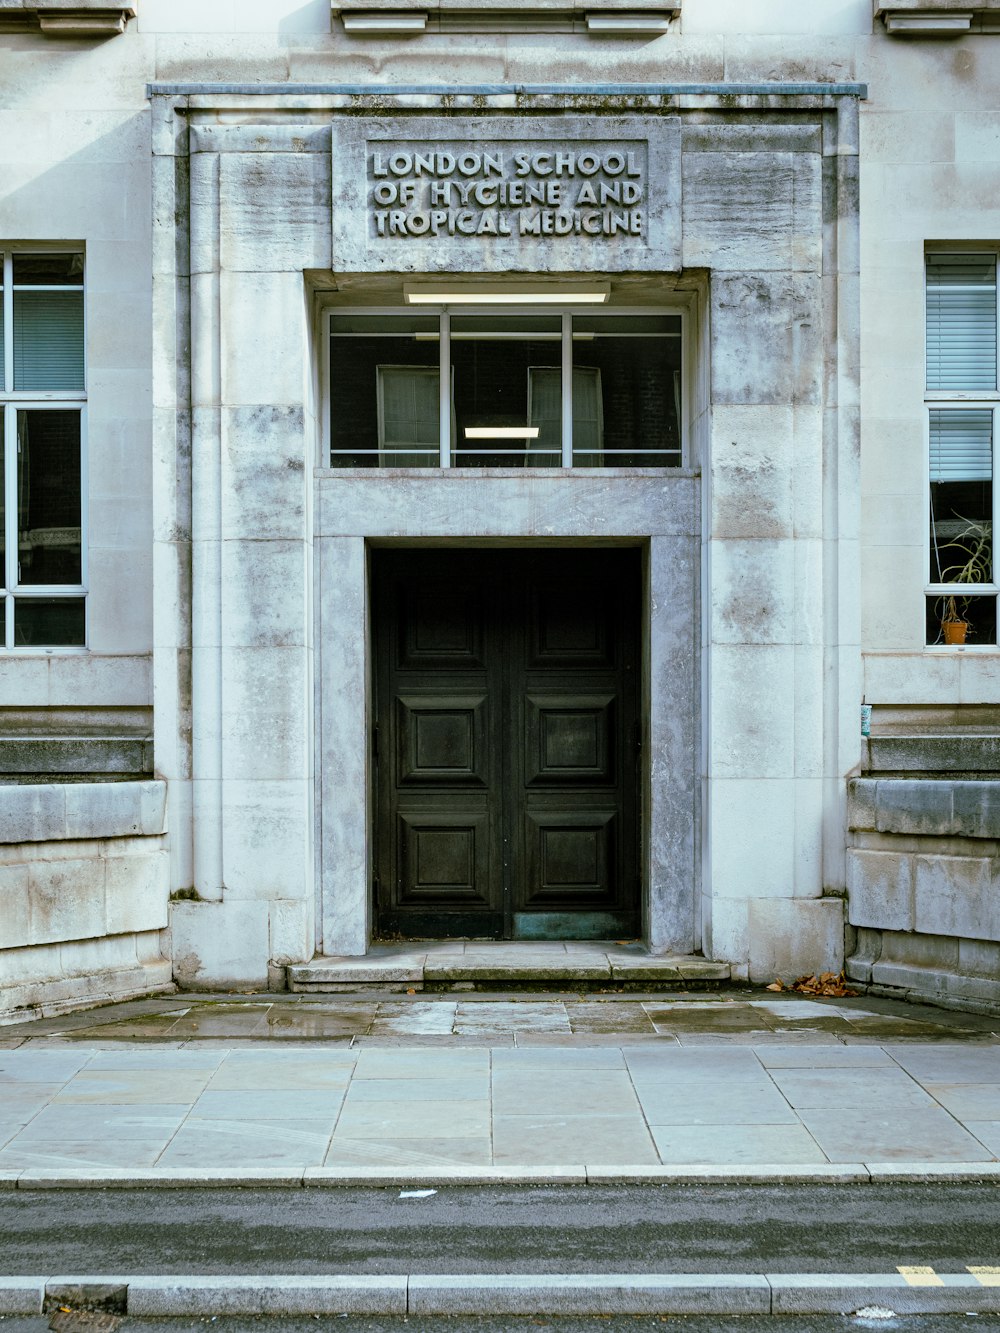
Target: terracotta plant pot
<point>954,630</point>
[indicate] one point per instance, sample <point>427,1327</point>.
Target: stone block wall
<point>923,874</point>
<point>84,888</point>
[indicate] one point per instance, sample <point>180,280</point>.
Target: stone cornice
<point>62,18</point>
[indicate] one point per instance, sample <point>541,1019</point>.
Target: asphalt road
<point>544,1324</point>
<point>651,1228</point>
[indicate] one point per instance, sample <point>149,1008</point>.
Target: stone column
<point>259,218</point>
<point>779,604</point>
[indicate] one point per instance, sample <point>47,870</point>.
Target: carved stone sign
<point>422,195</point>
<point>420,189</point>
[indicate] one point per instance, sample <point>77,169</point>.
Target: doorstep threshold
<point>435,965</point>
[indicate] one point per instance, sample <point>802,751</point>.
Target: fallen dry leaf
<point>832,984</point>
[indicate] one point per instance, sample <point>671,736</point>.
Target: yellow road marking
<point>918,1275</point>
<point>987,1275</point>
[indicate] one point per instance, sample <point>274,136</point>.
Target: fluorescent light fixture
<point>625,23</point>
<point>401,23</point>
<point>506,293</point>
<point>501,432</point>
<point>501,337</point>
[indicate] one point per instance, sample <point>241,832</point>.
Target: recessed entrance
<point>507,743</point>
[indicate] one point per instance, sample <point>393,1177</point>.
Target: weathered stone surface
<point>956,895</point>
<point>220,944</point>
<point>934,754</point>
<point>861,796</point>
<point>84,754</point>
<point>880,889</point>
<point>45,812</point>
<point>791,936</point>
<point>915,807</point>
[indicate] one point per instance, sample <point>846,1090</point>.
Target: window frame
<point>444,313</point>
<point>967,400</point>
<point>39,400</point>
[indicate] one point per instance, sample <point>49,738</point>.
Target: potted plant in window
<point>972,549</point>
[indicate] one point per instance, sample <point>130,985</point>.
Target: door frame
<point>657,511</point>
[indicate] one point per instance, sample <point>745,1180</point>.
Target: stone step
<point>436,965</point>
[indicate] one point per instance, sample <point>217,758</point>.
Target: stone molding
<point>938,18</point>
<point>56,18</point>
<point>925,807</point>
<point>70,811</point>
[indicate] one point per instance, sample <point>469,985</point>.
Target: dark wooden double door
<point>507,737</point>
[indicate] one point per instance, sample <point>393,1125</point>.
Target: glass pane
<point>48,270</point>
<point>508,395</point>
<point>48,497</point>
<point>380,391</point>
<point>49,622</point>
<point>961,515</point>
<point>957,620</point>
<point>636,326</point>
<point>48,340</point>
<point>366,325</point>
<point>961,322</point>
<point>626,392</point>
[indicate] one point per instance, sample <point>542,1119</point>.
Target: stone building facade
<point>467,467</point>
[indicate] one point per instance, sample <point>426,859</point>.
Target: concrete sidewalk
<point>573,1087</point>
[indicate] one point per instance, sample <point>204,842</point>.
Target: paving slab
<point>737,1144</point>
<point>236,1144</point>
<point>423,1154</point>
<point>853,1133</point>
<point>60,1154</point>
<point>601,1139</point>
<point>875,1089</point>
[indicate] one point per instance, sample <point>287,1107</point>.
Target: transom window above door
<point>475,389</point>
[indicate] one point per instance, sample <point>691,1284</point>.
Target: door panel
<point>506,690</point>
<point>570,860</point>
<point>442,859</point>
<point>569,739</point>
<point>441,740</point>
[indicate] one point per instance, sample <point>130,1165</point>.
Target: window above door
<point>480,389</point>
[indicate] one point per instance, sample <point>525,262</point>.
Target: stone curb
<point>510,1294</point>
<point>282,1177</point>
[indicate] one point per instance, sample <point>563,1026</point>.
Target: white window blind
<point>961,444</point>
<point>545,411</point>
<point>409,419</point>
<point>48,340</point>
<point>961,322</point>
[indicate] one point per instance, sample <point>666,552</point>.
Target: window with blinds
<point>43,400</point>
<point>963,398</point>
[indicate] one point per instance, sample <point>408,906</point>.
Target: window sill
<point>396,17</point>
<point>56,18</point>
<point>938,18</point>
